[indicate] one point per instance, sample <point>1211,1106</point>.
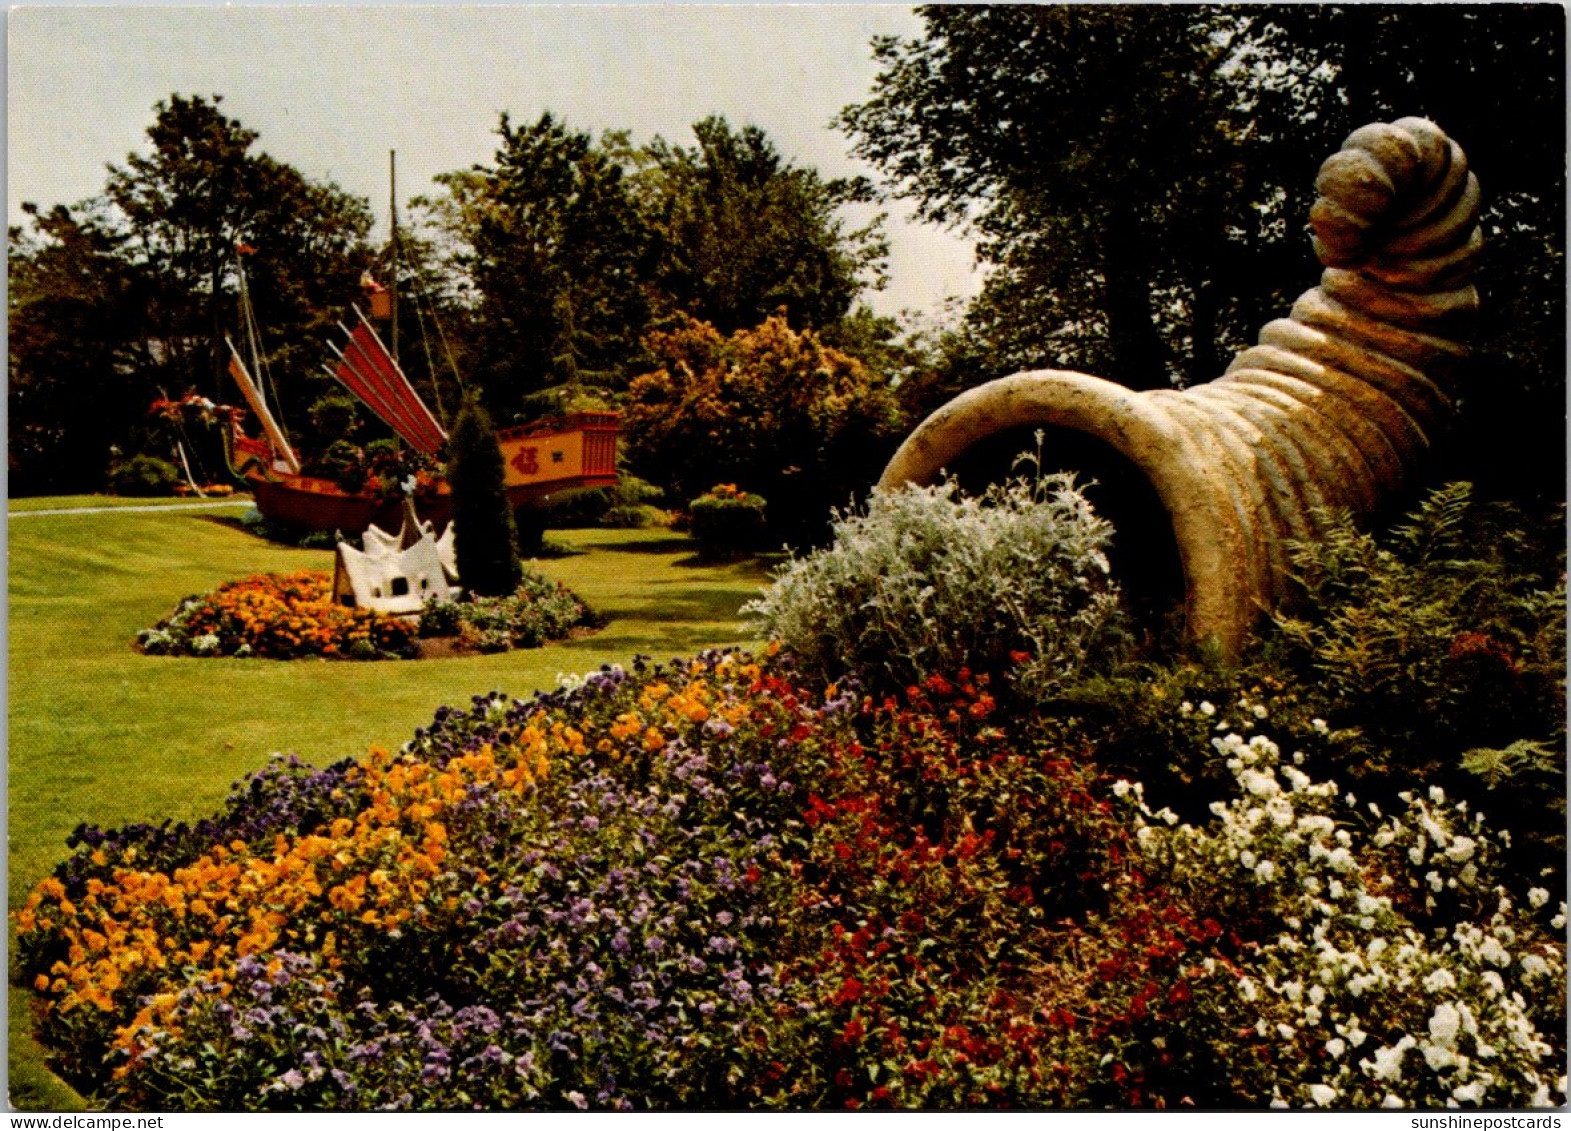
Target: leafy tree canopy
<point>1139,177</point>
<point>743,233</point>
<point>131,293</point>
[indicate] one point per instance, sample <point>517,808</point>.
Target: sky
<point>331,90</point>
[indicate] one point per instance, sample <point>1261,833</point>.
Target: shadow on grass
<point>673,606</point>
<point>668,544</point>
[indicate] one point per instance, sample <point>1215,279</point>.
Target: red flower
<point>850,990</point>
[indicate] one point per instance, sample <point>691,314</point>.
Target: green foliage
<point>1522,758</point>
<point>485,538</point>
<point>127,296</point>
<point>334,417</point>
<point>1432,654</point>
<point>928,582</point>
<point>538,612</point>
<point>724,520</point>
<point>741,233</point>
<point>1439,638</point>
<point>771,410</point>
<point>550,240</point>
<point>143,475</point>
<point>186,201</point>
<point>625,506</point>
<point>1137,177</point>
<point>71,314</point>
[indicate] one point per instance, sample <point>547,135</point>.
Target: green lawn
<point>98,733</point>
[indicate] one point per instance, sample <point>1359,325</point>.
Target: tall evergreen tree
<point>554,249</point>
<point>484,537</point>
<point>743,233</point>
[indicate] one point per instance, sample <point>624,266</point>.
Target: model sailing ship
<point>547,456</point>
<point>540,459</point>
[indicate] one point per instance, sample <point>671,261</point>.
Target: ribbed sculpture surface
<point>1336,405</point>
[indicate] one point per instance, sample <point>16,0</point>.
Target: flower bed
<point>278,616</point>
<point>711,884</point>
<point>289,616</point>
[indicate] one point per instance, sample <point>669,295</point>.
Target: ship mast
<point>392,189</point>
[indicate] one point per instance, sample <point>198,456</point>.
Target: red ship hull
<point>540,460</point>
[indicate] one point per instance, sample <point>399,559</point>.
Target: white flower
<point>1444,1024</point>
<point>1336,1046</point>
<point>1537,897</point>
<point>1312,1015</point>
<point>1494,981</point>
<point>1533,966</point>
<point>1439,980</point>
<point>1435,882</point>
<point>1259,711</point>
<point>1461,849</point>
<point>1186,707</point>
<point>1285,1031</point>
<point>1470,1093</point>
<point>1120,788</point>
<point>1247,858</point>
<point>1491,951</point>
<point>1322,1094</point>
<point>1320,726</point>
<point>1317,994</point>
<point>1265,871</point>
<point>1391,1100</point>
<point>204,644</point>
<point>1206,708</point>
<point>1388,1059</point>
<point>1260,784</point>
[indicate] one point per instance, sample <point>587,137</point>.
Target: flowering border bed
<point>291,616</point>
<point>709,885</point>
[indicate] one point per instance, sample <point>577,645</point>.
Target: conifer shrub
<point>485,538</point>
<point>928,581</point>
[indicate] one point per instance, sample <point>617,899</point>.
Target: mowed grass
<point>101,734</point>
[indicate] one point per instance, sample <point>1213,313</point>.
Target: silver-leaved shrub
<point>930,581</point>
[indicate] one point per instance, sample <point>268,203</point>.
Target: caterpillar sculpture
<point>1336,406</point>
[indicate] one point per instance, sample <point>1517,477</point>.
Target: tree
<point>742,233</point>
<point>770,410</point>
<point>1140,176</point>
<point>188,204</point>
<point>75,388</point>
<point>555,250</point>
<point>129,295</point>
<point>484,537</point>
<point>1104,159</point>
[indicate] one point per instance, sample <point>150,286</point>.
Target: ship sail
<point>283,454</point>
<point>368,371</point>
